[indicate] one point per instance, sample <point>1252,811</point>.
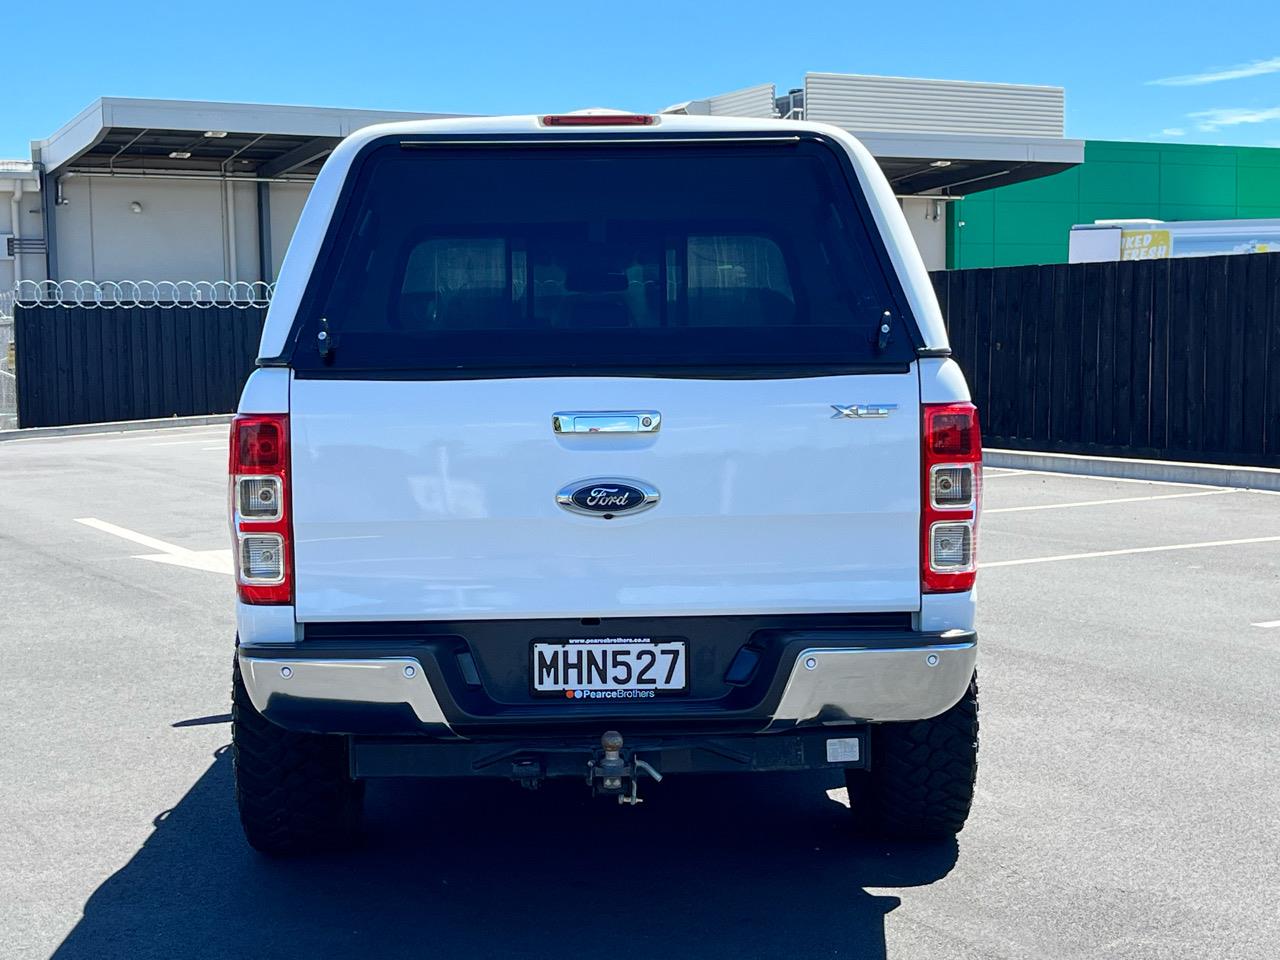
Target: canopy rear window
<point>597,259</point>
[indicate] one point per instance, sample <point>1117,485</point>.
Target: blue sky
<point>1149,70</point>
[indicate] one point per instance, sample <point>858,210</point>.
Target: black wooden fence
<point>1171,359</point>
<point>91,364</point>
<point>1168,358</point>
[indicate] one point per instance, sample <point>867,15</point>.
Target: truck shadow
<point>761,866</point>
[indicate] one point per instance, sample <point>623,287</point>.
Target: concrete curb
<point>1167,471</point>
<point>121,426</point>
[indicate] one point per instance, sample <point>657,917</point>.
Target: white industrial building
<point>168,190</point>
<point>21,224</point>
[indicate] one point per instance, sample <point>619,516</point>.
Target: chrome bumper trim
<point>384,680</point>
<point>877,684</point>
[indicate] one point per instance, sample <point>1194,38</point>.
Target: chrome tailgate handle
<point>606,421</point>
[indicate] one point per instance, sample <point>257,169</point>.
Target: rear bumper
<point>877,685</point>
<point>818,679</point>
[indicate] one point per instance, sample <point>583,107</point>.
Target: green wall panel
<point>979,220</point>
<point>1200,184</point>
<point>1198,154</point>
<point>1258,157</point>
<point>1197,211</point>
<point>1110,181</point>
<point>1039,222</point>
<point>1122,151</point>
<point>976,255</point>
<point>1030,222</point>
<point>1258,185</point>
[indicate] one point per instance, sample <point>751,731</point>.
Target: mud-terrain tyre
<point>293,789</point>
<point>922,774</point>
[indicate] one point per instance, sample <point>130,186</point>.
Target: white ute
<point>609,446</point>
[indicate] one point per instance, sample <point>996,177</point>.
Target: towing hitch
<point>613,772</point>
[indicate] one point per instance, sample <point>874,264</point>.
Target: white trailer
<point>1106,240</point>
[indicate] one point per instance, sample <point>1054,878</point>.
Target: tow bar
<point>610,773</point>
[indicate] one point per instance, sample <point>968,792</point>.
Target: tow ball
<point>611,772</point>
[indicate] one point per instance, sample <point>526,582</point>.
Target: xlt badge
<point>862,411</point>
<point>607,497</point>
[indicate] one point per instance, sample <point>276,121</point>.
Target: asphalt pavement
<point>1127,799</point>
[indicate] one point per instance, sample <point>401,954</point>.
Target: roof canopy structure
<point>954,164</point>
<point>931,137</point>
<point>122,135</point>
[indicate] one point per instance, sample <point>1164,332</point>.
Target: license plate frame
<point>618,683</point>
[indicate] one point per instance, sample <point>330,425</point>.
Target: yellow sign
<point>1145,244</point>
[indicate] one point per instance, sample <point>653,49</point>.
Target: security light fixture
<point>940,163</point>
<point>135,206</point>
<point>215,134</point>
<point>180,155</point>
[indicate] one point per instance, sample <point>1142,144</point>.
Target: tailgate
<point>436,499</point>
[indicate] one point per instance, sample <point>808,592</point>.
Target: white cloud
<point>1173,132</point>
<point>1210,120</point>
<point>1256,68</point>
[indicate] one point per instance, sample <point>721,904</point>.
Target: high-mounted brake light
<point>951,497</point>
<point>599,120</point>
<point>261,532</point>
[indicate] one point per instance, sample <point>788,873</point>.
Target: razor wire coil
<point>164,294</point>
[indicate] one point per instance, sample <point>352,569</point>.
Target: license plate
<point>622,669</point>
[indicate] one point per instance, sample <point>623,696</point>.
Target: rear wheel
<point>921,781</point>
<point>293,789</point>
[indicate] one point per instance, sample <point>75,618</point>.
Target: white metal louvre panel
<point>757,101</point>
<point>901,104</point>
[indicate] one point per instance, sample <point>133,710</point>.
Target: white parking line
<point>127,534</point>
<point>1095,503</point>
<point>1130,550</point>
<point>214,561</point>
<point>1268,624</point>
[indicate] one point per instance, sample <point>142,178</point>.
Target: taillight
<point>951,495</point>
<point>599,120</point>
<point>260,524</point>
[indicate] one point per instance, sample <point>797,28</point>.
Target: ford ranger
<point>606,446</point>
